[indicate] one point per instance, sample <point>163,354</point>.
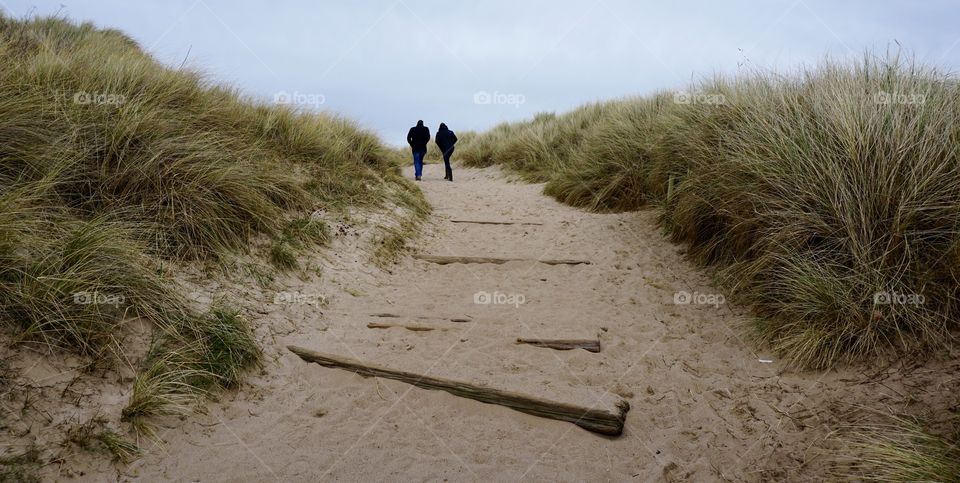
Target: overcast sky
<point>387,63</point>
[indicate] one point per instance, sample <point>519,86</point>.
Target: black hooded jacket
<point>418,137</point>
<point>445,138</point>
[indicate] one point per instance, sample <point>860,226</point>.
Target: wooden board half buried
<point>414,328</point>
<point>604,421</point>
<point>563,344</point>
<point>387,315</point>
<point>444,260</point>
<point>483,222</point>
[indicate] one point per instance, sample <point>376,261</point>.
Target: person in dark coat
<point>446,139</point>
<point>417,138</point>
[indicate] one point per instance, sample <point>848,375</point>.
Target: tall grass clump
<point>612,168</point>
<point>115,169</point>
<point>70,284</point>
<point>832,202</point>
<point>828,198</point>
<point>191,358</point>
<point>94,436</point>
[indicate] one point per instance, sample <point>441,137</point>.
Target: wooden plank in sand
<point>604,421</point>
<point>484,222</point>
<point>414,328</point>
<point>444,260</point>
<point>388,315</point>
<point>563,344</point>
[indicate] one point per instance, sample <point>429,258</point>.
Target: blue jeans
<point>418,162</point>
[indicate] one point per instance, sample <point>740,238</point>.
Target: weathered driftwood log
<point>604,421</point>
<point>563,344</point>
<point>444,260</point>
<point>482,222</point>
<point>415,328</point>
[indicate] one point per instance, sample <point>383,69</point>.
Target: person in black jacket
<point>417,138</point>
<point>445,141</point>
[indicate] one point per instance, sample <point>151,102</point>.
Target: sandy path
<point>703,406</point>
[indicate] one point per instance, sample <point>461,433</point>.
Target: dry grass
<point>403,225</point>
<point>192,357</point>
<point>93,436</point>
<point>114,167</point>
<point>900,449</point>
<point>811,192</point>
<point>20,467</point>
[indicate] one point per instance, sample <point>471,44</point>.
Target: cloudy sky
<point>387,63</point>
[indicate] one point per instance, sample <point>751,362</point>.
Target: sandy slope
<point>704,407</point>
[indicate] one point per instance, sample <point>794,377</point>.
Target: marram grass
<point>114,167</point>
<point>899,449</point>
<point>828,198</point>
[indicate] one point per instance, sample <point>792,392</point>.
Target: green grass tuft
<point>122,450</point>
<point>298,235</point>
<point>391,239</point>
<point>94,437</point>
<point>20,467</point>
<point>194,357</point>
<point>72,284</point>
<point>282,255</point>
<point>308,230</point>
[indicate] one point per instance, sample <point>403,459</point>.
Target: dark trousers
<point>446,163</point>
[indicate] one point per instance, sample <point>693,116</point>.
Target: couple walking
<point>419,136</point>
